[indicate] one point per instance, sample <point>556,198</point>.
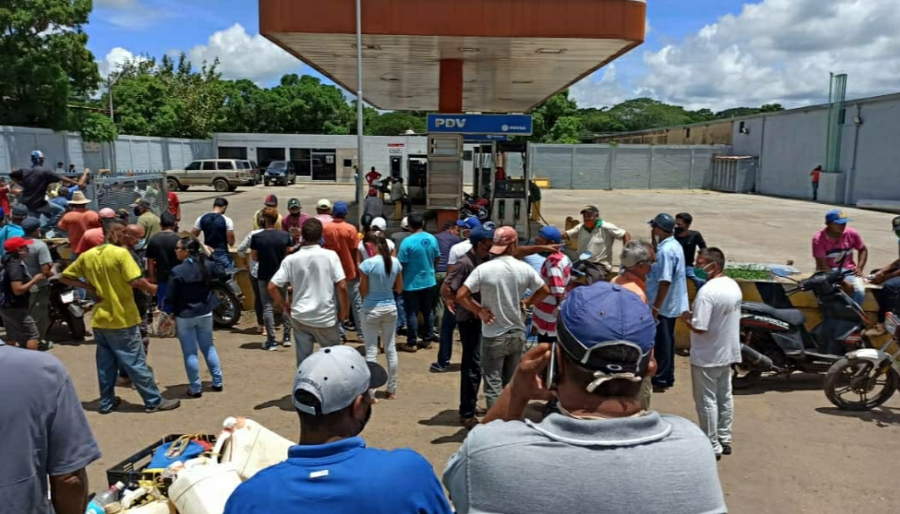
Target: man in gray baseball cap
<point>331,469</point>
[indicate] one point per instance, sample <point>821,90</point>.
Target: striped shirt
<point>556,272</point>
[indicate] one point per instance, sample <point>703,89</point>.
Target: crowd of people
<point>602,350</point>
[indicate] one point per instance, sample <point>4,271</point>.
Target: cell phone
<point>551,371</point>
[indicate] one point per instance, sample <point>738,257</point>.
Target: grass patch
<point>748,273</point>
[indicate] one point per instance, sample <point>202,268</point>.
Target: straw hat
<point>78,198</point>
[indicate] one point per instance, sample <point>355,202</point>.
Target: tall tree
<point>45,61</point>
<point>549,112</point>
<point>395,123</point>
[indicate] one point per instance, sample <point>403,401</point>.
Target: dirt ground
<point>793,451</point>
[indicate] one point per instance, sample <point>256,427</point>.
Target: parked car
<point>258,171</point>
<point>280,172</point>
<point>222,174</point>
<point>253,174</point>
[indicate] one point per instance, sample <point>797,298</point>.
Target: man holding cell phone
<point>604,349</point>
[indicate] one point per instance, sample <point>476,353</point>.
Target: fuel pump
<point>509,188</point>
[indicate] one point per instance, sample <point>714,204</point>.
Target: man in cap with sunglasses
<point>331,469</point>
<point>605,347</point>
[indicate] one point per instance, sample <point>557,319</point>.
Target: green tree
<point>303,105</point>
<point>395,123</point>
<point>549,112</point>
<point>646,113</point>
<point>45,61</point>
<point>567,130</point>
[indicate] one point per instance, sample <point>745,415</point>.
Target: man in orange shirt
<point>77,221</point>
<point>635,262</point>
<point>342,238</point>
<point>815,174</point>
<point>94,236</point>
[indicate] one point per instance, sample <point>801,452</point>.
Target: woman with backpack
<point>379,279</point>
<point>190,298</point>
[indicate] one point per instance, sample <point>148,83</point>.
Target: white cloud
<point>780,51</point>
<point>599,93</point>
<point>243,56</point>
<point>115,59</point>
<point>129,14</point>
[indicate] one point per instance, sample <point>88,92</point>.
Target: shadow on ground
<point>883,417</point>
<point>782,384</point>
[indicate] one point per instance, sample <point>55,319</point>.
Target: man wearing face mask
<point>715,347</point>
<point>597,236</point>
<point>146,219</point>
<point>667,294</point>
<point>690,241</point>
<point>331,469</point>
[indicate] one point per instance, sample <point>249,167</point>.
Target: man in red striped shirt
<point>556,272</point>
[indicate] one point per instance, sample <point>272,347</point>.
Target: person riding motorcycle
<point>888,278</point>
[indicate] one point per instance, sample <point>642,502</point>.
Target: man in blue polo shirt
<point>667,294</point>
<point>331,470</point>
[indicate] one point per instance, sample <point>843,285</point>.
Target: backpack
<point>5,291</point>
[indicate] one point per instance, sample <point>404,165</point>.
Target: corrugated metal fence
<point>621,167</point>
<point>137,153</point>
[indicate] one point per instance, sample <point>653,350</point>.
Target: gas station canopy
<point>456,55</point>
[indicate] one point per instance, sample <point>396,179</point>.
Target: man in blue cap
<point>667,294</point>
<point>556,272</point>
<point>605,347</point>
<point>459,249</point>
<point>481,239</point>
<point>331,469</point>
<point>835,238</point>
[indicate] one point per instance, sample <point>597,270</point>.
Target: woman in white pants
<point>379,278</point>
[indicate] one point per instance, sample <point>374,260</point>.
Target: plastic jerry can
<point>204,489</point>
<point>252,447</point>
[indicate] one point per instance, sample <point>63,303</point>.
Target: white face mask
<point>656,239</point>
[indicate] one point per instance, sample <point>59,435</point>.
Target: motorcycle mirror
<point>585,256</point>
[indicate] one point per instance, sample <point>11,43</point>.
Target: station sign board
<point>504,124</point>
<point>484,138</point>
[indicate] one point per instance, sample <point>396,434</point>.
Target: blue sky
<point>698,53</point>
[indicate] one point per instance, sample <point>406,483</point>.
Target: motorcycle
<point>474,206</point>
<point>862,372</point>
<point>776,340</point>
<point>66,308</point>
<point>231,300</point>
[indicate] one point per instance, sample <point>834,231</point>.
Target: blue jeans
<point>194,333</point>
<point>161,289</point>
<point>401,312</point>
<point>859,288</point>
<point>888,298</point>
<point>355,304</point>
<point>445,352</point>
<point>689,273</point>
<point>123,347</point>
<point>664,351</point>
<point>224,259</point>
<point>49,214</point>
<point>416,302</point>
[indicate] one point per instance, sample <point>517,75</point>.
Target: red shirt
<point>288,222</point>
<point>342,238</point>
<point>372,176</point>
<point>815,175</point>
<point>76,223</point>
<point>174,204</point>
<point>4,200</point>
<point>92,238</point>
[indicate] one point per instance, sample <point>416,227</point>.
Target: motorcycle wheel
<point>742,378</point>
<point>853,377</point>
<point>465,212</point>
<point>228,313</point>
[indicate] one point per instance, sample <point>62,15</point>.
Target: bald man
<point>134,234</point>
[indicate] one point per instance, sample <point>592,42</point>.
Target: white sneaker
<point>287,343</point>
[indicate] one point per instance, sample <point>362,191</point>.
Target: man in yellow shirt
<point>111,274</point>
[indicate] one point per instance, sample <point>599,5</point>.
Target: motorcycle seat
<point>789,316</point>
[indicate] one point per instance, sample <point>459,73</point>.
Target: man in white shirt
<point>315,274</point>
<point>597,236</point>
<point>502,283</point>
<point>459,249</point>
<point>715,346</point>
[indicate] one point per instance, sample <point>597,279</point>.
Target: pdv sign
<point>507,124</point>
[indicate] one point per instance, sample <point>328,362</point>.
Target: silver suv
<point>222,174</point>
